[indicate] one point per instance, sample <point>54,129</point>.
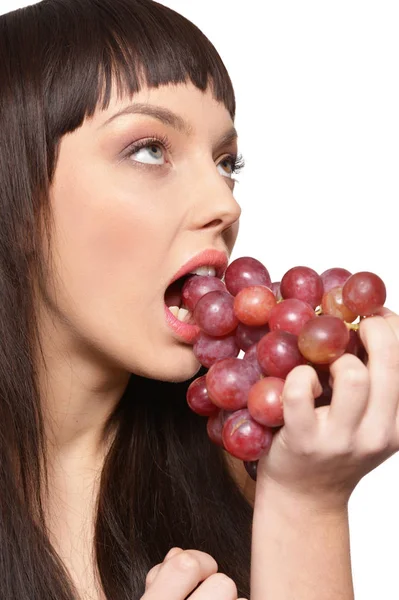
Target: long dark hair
<point>163,483</point>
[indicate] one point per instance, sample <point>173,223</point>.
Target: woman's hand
<point>322,453</point>
<point>183,571</point>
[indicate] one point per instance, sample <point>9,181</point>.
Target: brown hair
<point>163,483</point>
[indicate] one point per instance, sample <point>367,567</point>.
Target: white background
<point>317,115</point>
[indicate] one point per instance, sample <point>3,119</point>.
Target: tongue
<point>173,294</point>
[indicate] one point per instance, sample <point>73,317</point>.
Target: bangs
<point>88,46</point>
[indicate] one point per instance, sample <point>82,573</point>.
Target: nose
<point>214,205</point>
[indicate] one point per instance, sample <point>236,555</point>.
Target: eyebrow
<point>167,117</point>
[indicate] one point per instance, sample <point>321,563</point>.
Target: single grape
<point>302,283</point>
<point>214,313</point>
<point>228,382</point>
<point>333,304</point>
<point>208,349</point>
<point>246,335</point>
<point>198,398</point>
<point>253,304</point>
<point>364,293</point>
<point>334,277</point>
<point>275,288</point>
<point>197,286</point>
<point>244,272</point>
<point>290,315</point>
<point>244,438</point>
<point>251,355</point>
<point>324,339</point>
<point>278,353</point>
<point>251,467</point>
<point>265,401</point>
<point>214,425</point>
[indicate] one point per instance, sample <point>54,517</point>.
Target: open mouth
<point>174,302</point>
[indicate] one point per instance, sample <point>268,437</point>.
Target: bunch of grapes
<point>305,318</point>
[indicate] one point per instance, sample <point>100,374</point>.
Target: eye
<point>234,163</point>
<point>147,150</point>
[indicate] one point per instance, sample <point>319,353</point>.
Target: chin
<point>179,367</point>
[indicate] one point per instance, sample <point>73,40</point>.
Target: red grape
<point>228,382</point>
<point>364,293</point>
<point>208,349</point>
<point>214,425</point>
<point>324,339</point>
<point>246,336</point>
<point>264,401</point>
<point>278,353</point>
<point>290,315</point>
<point>197,286</point>
<point>334,277</point>
<point>302,283</point>
<point>243,272</point>
<point>198,398</point>
<point>244,438</point>
<point>214,313</point>
<point>251,356</point>
<point>253,304</point>
<point>333,304</point>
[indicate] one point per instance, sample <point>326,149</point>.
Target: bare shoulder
<point>244,481</point>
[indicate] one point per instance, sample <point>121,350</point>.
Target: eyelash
<point>236,160</point>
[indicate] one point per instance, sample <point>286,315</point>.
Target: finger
<point>172,552</point>
<point>351,386</point>
<point>179,575</point>
<point>384,311</point>
<point>382,346</point>
<point>216,587</point>
<point>300,390</point>
<point>152,573</point>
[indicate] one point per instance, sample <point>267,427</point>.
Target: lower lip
<point>185,331</point>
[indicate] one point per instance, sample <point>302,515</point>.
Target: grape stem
<point>354,326</point>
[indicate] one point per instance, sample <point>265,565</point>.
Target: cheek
<point>107,242</point>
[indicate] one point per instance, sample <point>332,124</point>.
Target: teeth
<point>182,314</point>
<point>204,271</point>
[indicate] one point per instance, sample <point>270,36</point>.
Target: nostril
<point>214,223</point>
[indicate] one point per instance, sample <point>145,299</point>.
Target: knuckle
<point>376,444</point>
<point>355,377</point>
<point>185,562</point>
<point>150,575</point>
<point>221,580</point>
<point>343,447</point>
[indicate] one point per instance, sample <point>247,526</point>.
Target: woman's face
<point>127,220</point>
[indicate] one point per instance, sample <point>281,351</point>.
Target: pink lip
<point>212,258</point>
<point>185,331</point>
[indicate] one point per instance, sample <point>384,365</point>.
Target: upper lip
<point>209,257</point>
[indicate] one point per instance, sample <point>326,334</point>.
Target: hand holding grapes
<point>325,452</point>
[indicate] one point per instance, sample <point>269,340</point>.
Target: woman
<point>117,156</point>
